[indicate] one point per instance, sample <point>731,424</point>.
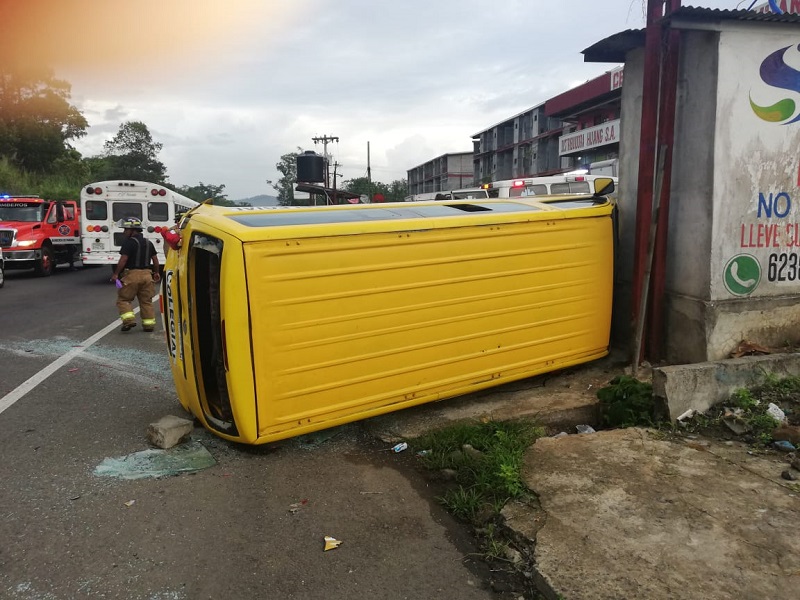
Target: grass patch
<point>627,402</point>
<point>485,462</point>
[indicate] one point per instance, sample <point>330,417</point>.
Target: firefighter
<point>134,277</point>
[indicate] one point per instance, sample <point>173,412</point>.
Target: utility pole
<point>369,175</point>
<point>324,140</point>
<point>335,199</point>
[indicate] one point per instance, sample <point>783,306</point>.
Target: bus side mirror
<point>60,213</point>
<point>603,186</point>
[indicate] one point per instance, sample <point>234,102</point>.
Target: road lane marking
<point>10,398</point>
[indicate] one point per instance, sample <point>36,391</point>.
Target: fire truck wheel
<point>46,265</point>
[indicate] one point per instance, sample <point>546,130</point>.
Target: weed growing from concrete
<point>627,402</point>
<point>485,462</point>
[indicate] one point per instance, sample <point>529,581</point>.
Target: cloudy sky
<point>228,86</point>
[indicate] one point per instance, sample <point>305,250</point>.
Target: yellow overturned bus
<point>281,322</point>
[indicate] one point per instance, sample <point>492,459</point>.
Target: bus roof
<point>255,223</point>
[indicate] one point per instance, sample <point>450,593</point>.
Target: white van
<point>462,194</point>
<point>542,186</point>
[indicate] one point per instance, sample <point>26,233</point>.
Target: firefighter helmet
<point>131,223</point>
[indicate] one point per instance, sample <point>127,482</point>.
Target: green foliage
<point>202,192</point>
<point>627,402</point>
<point>287,167</point>
<point>778,389</point>
<point>487,476</point>
<point>464,503</point>
<point>743,398</point>
<point>37,121</point>
<point>132,154</point>
<point>393,192</point>
<point>62,185</point>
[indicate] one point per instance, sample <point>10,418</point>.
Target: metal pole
<point>647,160</point>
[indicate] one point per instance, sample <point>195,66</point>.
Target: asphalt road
<point>251,526</point>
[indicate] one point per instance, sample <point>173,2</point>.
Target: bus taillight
<point>154,192</point>
<point>162,192</point>
<point>518,183</point>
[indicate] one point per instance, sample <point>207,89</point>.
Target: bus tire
<point>46,265</point>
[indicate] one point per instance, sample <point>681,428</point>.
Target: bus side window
<point>559,188</point>
<point>52,216</point>
<point>96,210</point>
<point>158,211</point>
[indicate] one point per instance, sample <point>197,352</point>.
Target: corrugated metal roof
<point>615,47</point>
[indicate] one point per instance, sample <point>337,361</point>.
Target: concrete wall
<point>691,204</point>
<point>735,202</point>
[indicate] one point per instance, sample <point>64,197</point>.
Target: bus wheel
<point>45,266</point>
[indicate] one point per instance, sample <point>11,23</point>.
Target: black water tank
<point>310,167</point>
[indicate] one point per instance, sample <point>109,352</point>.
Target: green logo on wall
<point>742,274</point>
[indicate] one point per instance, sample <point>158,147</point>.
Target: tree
<point>133,154</point>
<point>394,192</point>
<point>363,186</point>
<point>202,192</point>
<point>287,167</point>
<point>398,190</point>
<point>37,122</point>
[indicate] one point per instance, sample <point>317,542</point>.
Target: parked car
<point>2,269</point>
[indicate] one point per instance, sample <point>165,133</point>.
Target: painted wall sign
<point>757,188</point>
<point>777,74</point>
<point>779,7</point>
<point>618,75</point>
<point>591,137</point>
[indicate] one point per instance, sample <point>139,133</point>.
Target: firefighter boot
<point>128,325</point>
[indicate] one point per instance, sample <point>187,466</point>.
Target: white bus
<point>106,203</point>
<point>543,186</point>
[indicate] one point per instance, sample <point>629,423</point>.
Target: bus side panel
<point>349,327</point>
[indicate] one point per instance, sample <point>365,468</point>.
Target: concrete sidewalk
<point>630,515</point>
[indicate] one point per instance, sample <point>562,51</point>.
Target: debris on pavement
<point>400,447</point>
<point>585,429</point>
<point>774,411</point>
<point>169,431</point>
<point>746,348</point>
<point>295,508</point>
<point>154,463</point>
<point>129,503</point>
<point>331,543</point>
<point>784,446</point>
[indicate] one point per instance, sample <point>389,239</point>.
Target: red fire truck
<point>39,234</point>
